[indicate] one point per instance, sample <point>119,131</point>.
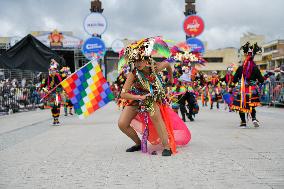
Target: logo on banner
<point>94,47</point>
<point>193,26</point>
<point>117,45</point>
<point>95,23</point>
<point>196,45</point>
<point>55,39</point>
<point>61,40</point>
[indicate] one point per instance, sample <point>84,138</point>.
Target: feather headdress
<point>142,50</point>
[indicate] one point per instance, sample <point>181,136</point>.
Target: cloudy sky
<point>225,20</point>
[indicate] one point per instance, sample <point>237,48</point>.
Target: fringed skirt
<point>244,101</point>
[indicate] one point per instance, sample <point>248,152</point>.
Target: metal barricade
<point>277,93</point>
<point>16,99</point>
<point>272,93</point>
<point>29,75</point>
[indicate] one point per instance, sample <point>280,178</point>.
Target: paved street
<point>91,153</point>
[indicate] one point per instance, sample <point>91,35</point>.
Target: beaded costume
<point>151,83</point>
<point>67,104</point>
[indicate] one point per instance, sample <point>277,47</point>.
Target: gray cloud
<point>225,20</point>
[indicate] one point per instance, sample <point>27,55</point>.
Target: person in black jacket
<point>246,94</point>
<point>188,97</point>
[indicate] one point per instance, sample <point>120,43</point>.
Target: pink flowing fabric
<point>181,134</point>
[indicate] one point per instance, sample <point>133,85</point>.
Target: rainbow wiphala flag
<point>87,89</point>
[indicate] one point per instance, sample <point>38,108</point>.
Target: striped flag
<point>87,89</point>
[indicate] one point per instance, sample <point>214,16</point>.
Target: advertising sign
<point>93,47</point>
<point>95,23</point>
<point>193,25</point>
<point>196,45</point>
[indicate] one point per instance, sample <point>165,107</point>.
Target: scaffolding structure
<point>79,59</point>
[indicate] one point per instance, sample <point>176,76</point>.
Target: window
<point>272,48</point>
<point>213,59</point>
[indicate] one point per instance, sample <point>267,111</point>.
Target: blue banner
<point>196,45</point>
<point>94,47</point>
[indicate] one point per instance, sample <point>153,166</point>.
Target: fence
<point>272,93</point>
<point>18,74</point>
<point>18,99</point>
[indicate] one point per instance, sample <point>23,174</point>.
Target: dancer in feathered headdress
<point>227,86</point>
<point>53,100</point>
<point>214,90</point>
<point>147,112</point>
<point>67,104</point>
<point>248,76</point>
<point>187,77</point>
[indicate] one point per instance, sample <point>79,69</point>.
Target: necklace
<point>144,82</point>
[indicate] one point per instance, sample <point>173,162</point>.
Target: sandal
<point>134,148</point>
<point>167,152</point>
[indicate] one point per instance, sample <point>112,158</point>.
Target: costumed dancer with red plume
<point>246,94</point>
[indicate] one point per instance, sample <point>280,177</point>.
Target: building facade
<point>253,38</point>
<point>273,54</point>
<point>220,59</point>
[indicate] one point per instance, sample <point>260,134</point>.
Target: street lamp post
<point>189,10</point>
<point>96,6</point>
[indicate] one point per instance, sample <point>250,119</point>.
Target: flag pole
<point>49,92</point>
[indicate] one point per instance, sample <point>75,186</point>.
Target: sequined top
<point>137,88</point>
<point>148,84</point>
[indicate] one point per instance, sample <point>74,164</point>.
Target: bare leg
<point>160,126</point>
<point>128,113</point>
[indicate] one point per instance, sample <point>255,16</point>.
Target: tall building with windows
<point>273,54</point>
